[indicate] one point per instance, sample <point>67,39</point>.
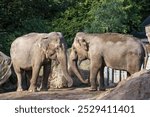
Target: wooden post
<point>112,75</point>
<point>120,75</point>
<point>107,76</point>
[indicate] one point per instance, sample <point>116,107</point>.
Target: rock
<point>57,80</point>
<point>136,87</point>
<point>6,84</point>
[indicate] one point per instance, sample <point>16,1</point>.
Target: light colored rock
<point>56,79</point>
<point>136,87</point>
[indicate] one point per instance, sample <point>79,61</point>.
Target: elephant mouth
<point>52,56</point>
<point>80,60</point>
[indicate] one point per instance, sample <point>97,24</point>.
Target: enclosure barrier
<point>114,76</point>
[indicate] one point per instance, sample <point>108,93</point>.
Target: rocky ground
<point>55,94</point>
<point>135,87</point>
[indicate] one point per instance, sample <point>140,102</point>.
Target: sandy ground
<point>135,87</point>
<point>53,94</point>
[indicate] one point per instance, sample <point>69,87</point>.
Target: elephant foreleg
<point>101,80</point>
<point>93,75</point>
<point>46,73</point>
<point>28,75</point>
<point>33,81</point>
<point>19,78</point>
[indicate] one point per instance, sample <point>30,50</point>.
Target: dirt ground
<point>53,94</point>
<point>135,87</point>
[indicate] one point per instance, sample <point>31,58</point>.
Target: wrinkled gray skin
<point>34,50</point>
<point>114,50</point>
<point>5,70</point>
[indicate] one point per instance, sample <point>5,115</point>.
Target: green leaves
<point>112,16</point>
<point>19,17</point>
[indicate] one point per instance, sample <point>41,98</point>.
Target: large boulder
<point>6,84</point>
<point>5,70</point>
<point>57,80</point>
<point>136,87</point>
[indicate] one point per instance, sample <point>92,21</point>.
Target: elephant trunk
<point>62,58</point>
<point>74,67</point>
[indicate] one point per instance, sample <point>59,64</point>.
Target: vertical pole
<point>120,75</point>
<point>112,75</point>
<point>107,69</point>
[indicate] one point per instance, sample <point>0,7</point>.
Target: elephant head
<point>79,52</point>
<point>54,47</point>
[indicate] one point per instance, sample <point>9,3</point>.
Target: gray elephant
<point>5,68</point>
<point>117,51</point>
<point>31,51</point>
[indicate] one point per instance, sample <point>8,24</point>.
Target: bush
<point>113,16</point>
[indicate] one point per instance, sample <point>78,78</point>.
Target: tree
<point>72,19</point>
<point>20,17</point>
<point>113,16</point>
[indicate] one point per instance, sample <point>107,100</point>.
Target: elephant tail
<point>6,75</point>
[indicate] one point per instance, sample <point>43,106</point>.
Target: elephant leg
<point>133,65</point>
<point>128,74</point>
<point>94,68</point>
<point>28,76</point>
<point>33,81</point>
<point>24,79</point>
<point>132,71</point>
<point>46,73</point>
<point>101,80</point>
<point>19,78</point>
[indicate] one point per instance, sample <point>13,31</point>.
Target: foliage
<point>113,16</point>
<point>19,17</point>
<point>72,20</point>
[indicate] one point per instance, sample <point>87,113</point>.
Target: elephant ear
<point>82,42</point>
<point>44,43</point>
<point>73,54</point>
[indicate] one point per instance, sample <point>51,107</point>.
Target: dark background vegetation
<point>18,17</point>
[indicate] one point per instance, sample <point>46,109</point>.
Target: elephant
<point>32,51</point>
<point>114,50</point>
<point>147,31</point>
<point>5,68</point>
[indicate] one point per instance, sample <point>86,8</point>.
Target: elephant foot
<point>32,89</point>
<point>93,89</point>
<point>86,81</point>
<point>102,89</point>
<point>44,89</point>
<point>19,89</point>
<point>70,83</point>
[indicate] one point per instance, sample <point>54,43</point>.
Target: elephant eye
<point>74,50</point>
